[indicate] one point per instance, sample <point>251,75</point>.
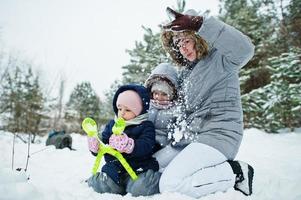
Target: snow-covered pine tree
<point>253,103</point>
<point>144,57</point>
<point>261,22</point>
<point>284,92</point>
<point>107,108</point>
<point>21,98</point>
<point>258,20</point>
<point>295,21</point>
<point>147,54</point>
<point>291,23</point>
<point>11,101</point>
<point>278,104</point>
<point>83,102</point>
<point>34,103</point>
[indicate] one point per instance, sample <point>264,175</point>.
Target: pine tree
<point>144,57</point>
<point>12,101</point>
<point>253,104</point>
<point>107,106</point>
<point>258,20</point>
<point>83,102</point>
<point>278,104</point>
<point>34,102</point>
<point>284,109</point>
<point>293,22</point>
<point>147,54</point>
<point>21,99</point>
<point>269,100</point>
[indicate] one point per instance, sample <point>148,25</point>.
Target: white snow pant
<point>196,171</point>
<point>165,156</point>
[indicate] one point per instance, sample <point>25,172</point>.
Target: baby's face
<point>160,96</point>
<point>125,113</point>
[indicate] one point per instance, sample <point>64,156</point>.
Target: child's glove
<point>93,144</point>
<point>122,143</point>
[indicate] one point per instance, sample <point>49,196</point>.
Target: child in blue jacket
<point>136,143</point>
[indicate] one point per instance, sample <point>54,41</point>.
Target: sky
<point>81,40</point>
<point>59,174</point>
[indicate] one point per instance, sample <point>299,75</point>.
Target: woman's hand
<point>122,143</point>
<point>183,22</point>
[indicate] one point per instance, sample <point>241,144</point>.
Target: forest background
<point>270,82</point>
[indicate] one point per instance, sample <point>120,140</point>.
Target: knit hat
<point>163,86</point>
<point>130,99</point>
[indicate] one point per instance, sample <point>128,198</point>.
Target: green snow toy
<point>119,126</point>
<point>90,127</point>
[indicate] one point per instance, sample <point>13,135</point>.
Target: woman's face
<point>187,48</point>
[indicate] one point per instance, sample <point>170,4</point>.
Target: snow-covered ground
<point>60,174</point>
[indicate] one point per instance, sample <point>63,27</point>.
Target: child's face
<point>125,112</point>
<point>160,96</point>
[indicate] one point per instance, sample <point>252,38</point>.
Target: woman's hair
<point>167,38</point>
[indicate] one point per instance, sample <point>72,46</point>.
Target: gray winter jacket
<point>212,91</point>
<point>163,119</point>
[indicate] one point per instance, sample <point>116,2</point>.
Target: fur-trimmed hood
<point>166,72</point>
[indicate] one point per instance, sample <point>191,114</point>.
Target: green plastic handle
<point>116,154</point>
<point>119,126</point>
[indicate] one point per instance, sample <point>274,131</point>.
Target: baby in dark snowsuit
<point>136,143</point>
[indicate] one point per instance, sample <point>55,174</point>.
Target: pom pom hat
<point>131,100</point>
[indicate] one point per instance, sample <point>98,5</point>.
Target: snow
<point>60,174</point>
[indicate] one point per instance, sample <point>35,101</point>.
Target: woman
<point>209,134</point>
